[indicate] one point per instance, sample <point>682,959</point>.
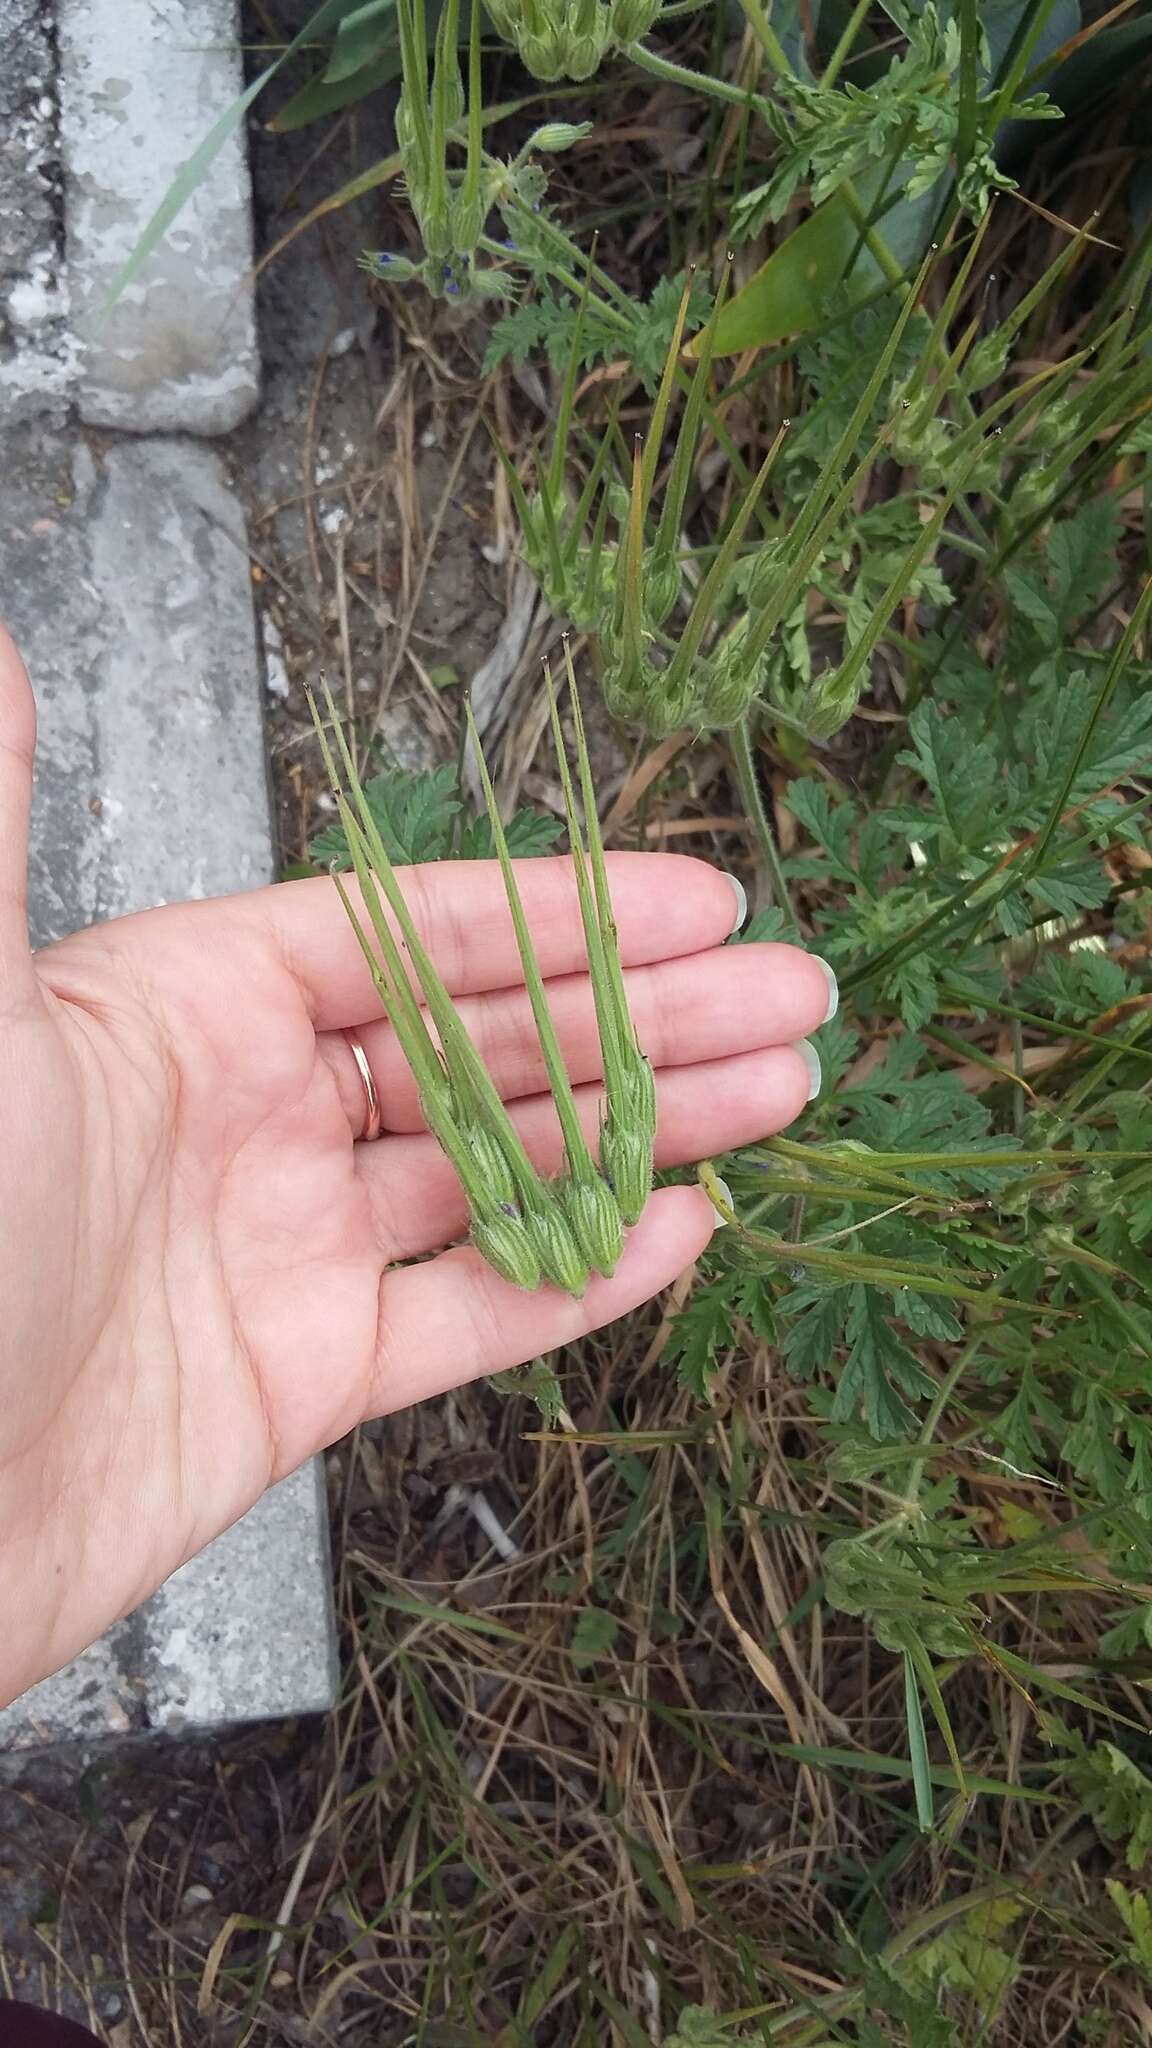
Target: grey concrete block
<point>141,84</point>
<point>151,781</point>
<point>243,1632</point>
<point>37,354</point>
<point>125,581</point>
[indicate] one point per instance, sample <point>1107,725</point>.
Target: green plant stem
<point>744,761</point>
<point>767,37</point>
<point>940,1401</point>
<point>694,81</point>
<point>735,95</point>
<point>840,54</point>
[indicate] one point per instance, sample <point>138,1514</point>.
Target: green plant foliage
<point>1118,1796</point>
<point>593,1635</point>
<point>551,324</point>
<point>423,817</point>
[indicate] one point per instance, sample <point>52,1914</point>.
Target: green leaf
<point>961,772</point>
<point>698,1335</point>
<point>1077,985</point>
<point>1135,1909</point>
<point>763,925</point>
<point>412,813</point>
<point>878,1371</point>
<point>416,816</point>
<point>318,98</point>
<point>360,38</point>
<point>550,324</point>
<point>593,1636</point>
<point>1117,1795</point>
<point>528,833</point>
<point>811,1340</point>
<point>792,291</point>
<point>918,1748</point>
<point>830,825</point>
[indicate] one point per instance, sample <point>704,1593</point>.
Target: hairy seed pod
<point>585,55</point>
<point>662,708</point>
<point>661,582</point>
<point>727,687</point>
<point>632,19</point>
<point>543,55</point>
<point>626,1158</point>
<point>625,682</point>
<point>436,231</point>
<point>489,1163</point>
<point>504,1242</point>
<point>632,1094</point>
<point>594,1213</point>
<point>554,1243</point>
<point>468,216</point>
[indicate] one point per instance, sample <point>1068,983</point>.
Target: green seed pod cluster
<point>436,116</point>
<point>529,1230</point>
<point>570,38</point>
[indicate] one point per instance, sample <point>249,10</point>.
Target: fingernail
<point>833,987</point>
<point>741,895</point>
<point>811,1059</point>
<point>720,1222</point>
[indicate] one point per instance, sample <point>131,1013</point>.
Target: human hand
<point>198,1278</point>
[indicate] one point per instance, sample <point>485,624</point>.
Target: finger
<point>17,746</point>
<point>416,1198</point>
<point>705,1006</point>
<point>665,905</point>
<point>454,1318</point>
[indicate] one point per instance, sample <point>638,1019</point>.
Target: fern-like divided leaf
<point>422,817</point>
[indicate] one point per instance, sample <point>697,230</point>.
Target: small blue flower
<point>382,256</point>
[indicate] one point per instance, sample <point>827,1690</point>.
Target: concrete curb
<point>141,84</point>
<point>124,577</point>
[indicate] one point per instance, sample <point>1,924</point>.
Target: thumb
<point>17,747</point>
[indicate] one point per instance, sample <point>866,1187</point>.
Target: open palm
<point>198,1265</point>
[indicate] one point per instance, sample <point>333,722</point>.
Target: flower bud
<point>558,134</point>
<point>393,269</point>
<point>503,1241</point>
<point>594,1214</point>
